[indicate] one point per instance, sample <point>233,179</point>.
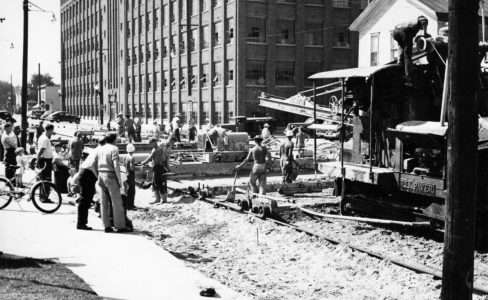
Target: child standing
<point>21,162</point>
<point>129,163</point>
<point>73,188</point>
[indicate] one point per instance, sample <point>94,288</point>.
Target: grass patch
<point>28,278</point>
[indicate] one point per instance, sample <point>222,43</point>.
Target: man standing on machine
<point>403,34</point>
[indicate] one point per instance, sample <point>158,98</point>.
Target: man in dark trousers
<point>286,157</point>
<point>403,34</point>
<point>86,178</point>
<point>138,126</point>
<point>45,159</point>
<point>9,143</point>
<point>259,154</point>
<point>76,146</point>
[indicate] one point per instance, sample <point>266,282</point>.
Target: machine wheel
<point>244,205</point>
<point>255,210</point>
<point>264,211</point>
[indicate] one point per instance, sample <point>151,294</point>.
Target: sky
<point>44,40</point>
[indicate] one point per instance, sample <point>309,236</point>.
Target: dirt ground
<point>267,261</point>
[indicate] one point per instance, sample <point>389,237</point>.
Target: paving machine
<point>396,165</point>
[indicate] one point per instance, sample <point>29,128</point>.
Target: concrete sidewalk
<point>116,266</point>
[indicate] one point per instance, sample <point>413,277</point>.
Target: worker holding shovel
<point>258,153</point>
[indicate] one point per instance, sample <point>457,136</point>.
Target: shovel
<point>231,195</point>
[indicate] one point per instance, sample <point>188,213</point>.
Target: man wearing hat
<point>286,157</point>
<point>265,133</point>
<point>9,143</point>
<point>259,154</point>
<point>403,34</point>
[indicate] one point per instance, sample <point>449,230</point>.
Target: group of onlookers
<point>129,128</point>
<point>100,172</point>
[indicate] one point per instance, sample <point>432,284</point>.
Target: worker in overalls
<point>403,34</point>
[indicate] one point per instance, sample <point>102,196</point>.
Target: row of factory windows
<point>255,75</point>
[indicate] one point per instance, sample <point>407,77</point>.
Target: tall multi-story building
<point>205,59</point>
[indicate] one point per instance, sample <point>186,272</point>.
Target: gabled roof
<point>379,7</point>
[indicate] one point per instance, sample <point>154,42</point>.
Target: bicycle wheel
<point>5,192</point>
<point>46,197</point>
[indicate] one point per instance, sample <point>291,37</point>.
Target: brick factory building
<point>206,59</point>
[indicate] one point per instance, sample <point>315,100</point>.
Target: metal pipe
<point>371,176</point>
<point>315,131</point>
<point>482,20</point>
<point>39,85</point>
<point>342,133</point>
<point>445,92</point>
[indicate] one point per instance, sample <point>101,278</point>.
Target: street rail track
<point>420,268</point>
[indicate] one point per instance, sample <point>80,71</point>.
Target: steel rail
<point>477,289</point>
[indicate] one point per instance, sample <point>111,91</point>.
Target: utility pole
<point>23,137</point>
<point>462,138</point>
<point>39,85</point>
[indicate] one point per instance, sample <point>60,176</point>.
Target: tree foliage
<point>6,91</point>
<point>43,79</point>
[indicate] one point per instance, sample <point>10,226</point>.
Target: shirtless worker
<point>286,157</point>
<point>259,154</point>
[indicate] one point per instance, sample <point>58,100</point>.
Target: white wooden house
<point>376,23</point>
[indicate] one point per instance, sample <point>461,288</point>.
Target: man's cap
<point>289,133</point>
<point>11,120</point>
<point>422,20</point>
<point>130,148</point>
<point>266,125</point>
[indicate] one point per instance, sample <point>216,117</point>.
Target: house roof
<point>379,7</point>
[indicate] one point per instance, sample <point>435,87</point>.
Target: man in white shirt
<point>45,158</point>
<point>9,143</point>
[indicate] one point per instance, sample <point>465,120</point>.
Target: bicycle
<point>43,194</point>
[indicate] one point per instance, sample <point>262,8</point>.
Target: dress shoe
<point>109,229</point>
<point>124,230</point>
<point>46,201</point>
<point>83,227</point>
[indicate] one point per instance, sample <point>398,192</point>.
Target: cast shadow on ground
<point>190,257</point>
<point>33,281</point>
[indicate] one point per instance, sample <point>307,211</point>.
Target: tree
<point>6,92</point>
<point>43,79</point>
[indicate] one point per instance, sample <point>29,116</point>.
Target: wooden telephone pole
<point>462,138</point>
